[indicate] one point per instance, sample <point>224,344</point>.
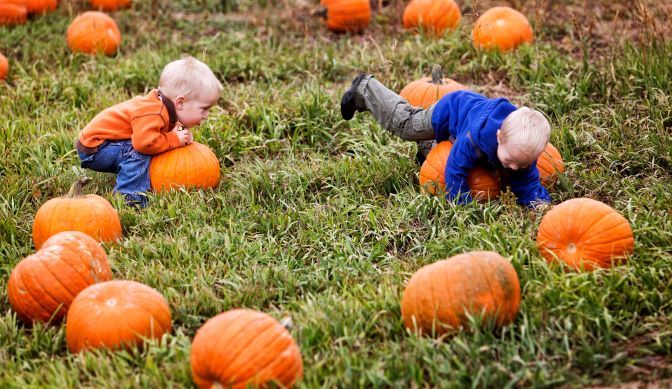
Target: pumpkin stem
<point>76,188</point>
<point>287,323</point>
<point>320,11</point>
<point>437,75</point>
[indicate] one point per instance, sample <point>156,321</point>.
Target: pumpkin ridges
<point>271,339</point>
<point>241,321</point>
<point>259,325</point>
<point>26,302</point>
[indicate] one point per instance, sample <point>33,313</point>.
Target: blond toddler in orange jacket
<point>123,138</point>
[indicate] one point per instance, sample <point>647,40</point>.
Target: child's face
<point>512,157</point>
<point>191,112</point>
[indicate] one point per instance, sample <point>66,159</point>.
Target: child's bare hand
<point>184,135</point>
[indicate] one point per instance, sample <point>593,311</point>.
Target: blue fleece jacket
<point>471,121</point>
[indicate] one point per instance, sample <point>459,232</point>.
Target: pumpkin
<point>549,165</point>
<point>13,12</point>
<point>93,32</point>
<point>484,184</point>
<point>90,214</point>
<point>501,28</point>
<point>585,234</point>
<point>43,285</point>
<point>347,15</point>
<point>4,67</point>
<point>439,298</point>
<point>110,5</point>
<point>428,90</point>
<point>432,16</point>
<point>243,348</point>
<point>191,166</point>
<point>41,6</point>
<point>116,315</point>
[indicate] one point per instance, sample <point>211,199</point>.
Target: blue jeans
<point>130,166</point>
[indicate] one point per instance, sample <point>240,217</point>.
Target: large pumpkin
<point>549,165</point>
<point>191,166</point>
<point>484,184</point>
<point>93,32</point>
<point>585,234</point>
<point>41,6</point>
<point>110,5</point>
<point>439,297</point>
<point>90,214</point>
<point>4,67</point>
<point>501,28</point>
<point>432,16</point>
<point>13,12</point>
<point>347,15</point>
<point>116,315</point>
<point>43,285</point>
<point>244,348</point>
<point>428,90</point>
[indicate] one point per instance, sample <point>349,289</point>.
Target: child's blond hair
<point>528,129</point>
<point>188,77</point>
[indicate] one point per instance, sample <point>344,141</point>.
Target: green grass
<point>323,220</point>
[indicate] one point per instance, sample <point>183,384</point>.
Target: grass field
<point>322,219</point>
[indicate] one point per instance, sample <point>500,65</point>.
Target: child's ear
<point>499,135</point>
<point>179,102</point>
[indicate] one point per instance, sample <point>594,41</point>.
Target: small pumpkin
<point>244,348</point>
<point>116,315</point>
<point>93,32</point>
<point>41,6</point>
<point>347,15</point>
<point>428,90</point>
<point>90,214</point>
<point>501,28</point>
<point>550,165</point>
<point>439,297</point>
<point>43,285</point>
<point>13,12</point>
<point>585,234</point>
<point>191,166</point>
<point>4,67</point>
<point>484,184</point>
<point>110,5</point>
<point>433,16</point>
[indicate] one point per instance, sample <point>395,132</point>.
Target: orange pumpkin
<point>347,15</point>
<point>484,184</point>
<point>43,285</point>
<point>90,214</point>
<point>550,165</point>
<point>93,32</point>
<point>191,166</point>
<point>110,5</point>
<point>432,16</point>
<point>13,12</point>
<point>244,348</point>
<point>116,315</point>
<point>41,6</point>
<point>439,297</point>
<point>585,234</point>
<point>428,90</point>
<point>501,28</point>
<point>4,67</point>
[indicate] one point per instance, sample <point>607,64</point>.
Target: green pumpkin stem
<point>437,75</point>
<point>76,188</point>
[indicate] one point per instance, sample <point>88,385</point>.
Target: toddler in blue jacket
<point>493,131</point>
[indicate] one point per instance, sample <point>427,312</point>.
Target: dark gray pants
<point>396,115</point>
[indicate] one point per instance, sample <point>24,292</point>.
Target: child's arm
<point>461,160</point>
<point>452,111</point>
<point>147,137</point>
<point>526,186</point>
